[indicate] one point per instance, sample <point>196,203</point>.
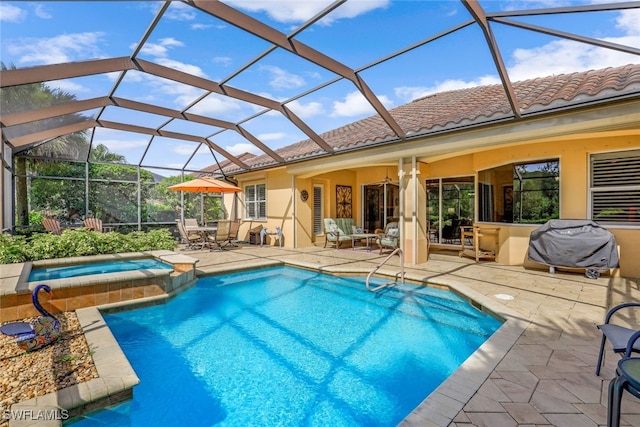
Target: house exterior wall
<point>284,207</point>
<point>573,153</point>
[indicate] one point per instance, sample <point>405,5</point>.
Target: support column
<point>413,216</point>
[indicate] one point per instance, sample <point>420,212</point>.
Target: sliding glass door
<point>381,205</point>
<point>450,204</point>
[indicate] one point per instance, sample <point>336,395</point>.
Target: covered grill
<point>573,243</point>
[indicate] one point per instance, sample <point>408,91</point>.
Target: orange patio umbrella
<point>206,185</point>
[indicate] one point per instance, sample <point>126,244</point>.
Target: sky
<point>358,34</point>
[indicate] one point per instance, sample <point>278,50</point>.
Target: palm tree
<point>101,153</point>
<point>34,96</point>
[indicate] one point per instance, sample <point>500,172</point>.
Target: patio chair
<point>52,226</point>
<point>390,238</point>
<point>618,335</point>
<point>627,378</point>
<point>190,222</point>
<point>221,235</point>
<point>94,224</point>
<point>190,238</point>
<point>233,233</point>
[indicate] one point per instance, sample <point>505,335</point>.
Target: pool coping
<point>23,285</point>
<point>117,378</point>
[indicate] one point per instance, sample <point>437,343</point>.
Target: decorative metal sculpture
<point>343,201</point>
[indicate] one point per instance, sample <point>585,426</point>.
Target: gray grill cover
<point>575,243</point>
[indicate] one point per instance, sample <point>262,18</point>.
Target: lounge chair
<point>617,335</point>
<point>390,238</point>
<point>94,224</point>
<point>52,226</point>
<point>190,238</point>
<point>221,236</point>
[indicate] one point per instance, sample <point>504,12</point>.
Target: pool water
<point>283,346</point>
<point>96,268</point>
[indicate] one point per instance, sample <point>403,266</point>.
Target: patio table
<point>206,231</point>
<point>367,237</point>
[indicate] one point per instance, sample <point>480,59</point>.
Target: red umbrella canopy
<point>206,185</point>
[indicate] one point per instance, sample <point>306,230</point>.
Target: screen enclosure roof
<point>188,84</point>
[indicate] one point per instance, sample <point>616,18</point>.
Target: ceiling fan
<point>386,179</point>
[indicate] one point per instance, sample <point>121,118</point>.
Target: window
<point>615,187</point>
<point>255,200</point>
<point>318,210</point>
<point>523,193</point>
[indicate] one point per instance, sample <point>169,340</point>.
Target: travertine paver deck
<point>543,376</point>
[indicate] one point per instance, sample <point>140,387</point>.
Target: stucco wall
<point>574,175</point>
<point>572,151</point>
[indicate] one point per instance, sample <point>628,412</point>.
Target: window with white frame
<point>255,200</point>
<point>614,188</point>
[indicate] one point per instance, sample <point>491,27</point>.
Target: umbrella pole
<point>202,209</point>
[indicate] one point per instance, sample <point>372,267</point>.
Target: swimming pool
<point>283,346</point>
<point>49,273</point>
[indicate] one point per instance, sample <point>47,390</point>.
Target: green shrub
<point>81,243</point>
<point>13,249</point>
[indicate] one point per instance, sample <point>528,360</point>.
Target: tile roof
<point>473,106</point>
<point>224,165</point>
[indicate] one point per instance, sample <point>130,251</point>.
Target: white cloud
<point>153,88</point>
<point>281,79</point>
<point>224,60</point>
<point>42,13</point>
<point>11,13</point>
<point>181,66</point>
<point>355,104</point>
<point>308,110</point>
<point>629,21</point>
<point>215,104</point>
<point>200,26</point>
<point>282,10</point>
<point>119,145</point>
<point>351,9</point>
<point>184,149</point>
<point>295,11</point>
<point>179,11</point>
<point>152,49</point>
<point>241,148</point>
<point>67,86</point>
<point>160,49</point>
<point>566,56</point>
<point>58,49</point>
<point>273,136</point>
<point>409,93</point>
<point>170,41</point>
<point>556,57</point>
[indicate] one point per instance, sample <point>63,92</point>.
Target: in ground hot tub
<point>97,280</point>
